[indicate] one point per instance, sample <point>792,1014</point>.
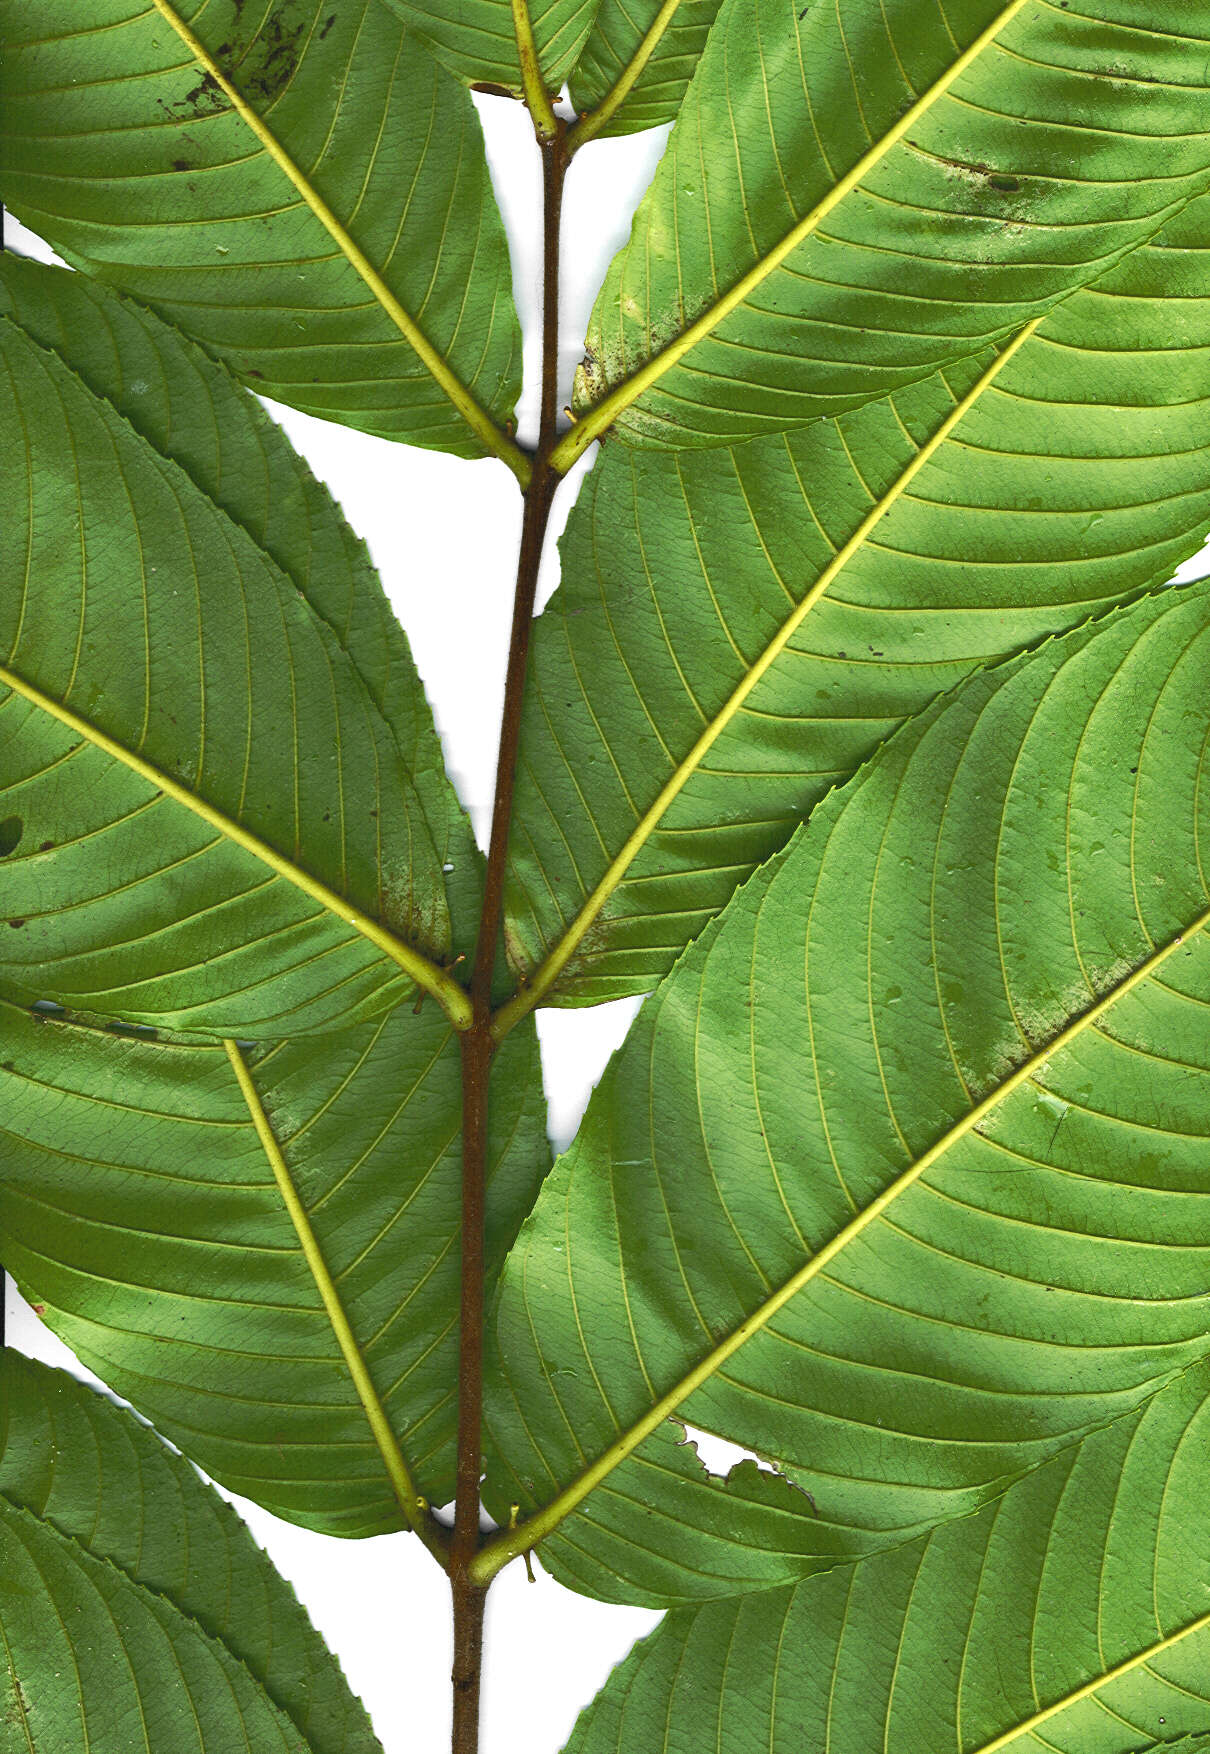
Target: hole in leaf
<point>47,1008</point>
<point>11,830</point>
<point>140,1031</point>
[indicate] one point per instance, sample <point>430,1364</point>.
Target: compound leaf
<point>298,186</point>
<point>899,1178</point>
<point>855,196</point>
<point>87,1487</point>
<point>737,630</point>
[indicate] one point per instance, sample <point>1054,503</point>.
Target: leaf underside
<point>898,1179</point>
<point>210,701</point>
<point>995,1631</point>
<point>620,31</point>
<point>736,631</point>
<point>94,1508</point>
<point>854,197</point>
<point>139,1211</point>
<point>124,152</point>
<point>477,39</point>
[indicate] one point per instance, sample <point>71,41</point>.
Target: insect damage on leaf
<point>862,1329</point>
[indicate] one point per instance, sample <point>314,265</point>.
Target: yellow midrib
<point>475,415</point>
<point>414,1507</point>
<point>1029,1725</point>
<point>548,972</point>
<point>449,995</point>
<point>537,1527</point>
<point>605,412</point>
<point>590,125</point>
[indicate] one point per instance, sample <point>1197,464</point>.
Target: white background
<point>443,534</point>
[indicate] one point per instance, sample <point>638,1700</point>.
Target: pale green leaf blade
<point>477,39</point>
<point>190,411</point>
<point>140,1213</point>
<point>899,1180</point>
<point>1000,1631</point>
<point>737,630</point>
<point>638,60</point>
<point>319,252</point>
<point>97,1478</point>
<point>96,1666</point>
<point>853,197</point>
<point>209,823</point>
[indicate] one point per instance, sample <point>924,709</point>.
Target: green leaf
<point>298,187</point>
<point>899,1179</point>
<point>638,60</point>
<point>190,411</point>
<point>93,1485</point>
<point>854,197</point>
<point>1072,1614</point>
<point>142,1212</point>
<point>97,1666</point>
<point>477,39</point>
<point>212,823</point>
<point>738,630</point>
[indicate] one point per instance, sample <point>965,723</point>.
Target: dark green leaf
<point>191,412</point>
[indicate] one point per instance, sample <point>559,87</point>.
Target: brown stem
<point>468,1663</point>
<point>478,1045</point>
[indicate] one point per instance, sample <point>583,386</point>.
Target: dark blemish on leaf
<point>253,373</point>
<point>140,1031</point>
<point>9,1066</point>
<point>490,90</point>
<point>270,62</point>
<point>328,22</point>
<point>47,1008</point>
<point>11,830</point>
<point>181,164</point>
<point>16,924</point>
<point>1004,185</point>
<point>206,98</point>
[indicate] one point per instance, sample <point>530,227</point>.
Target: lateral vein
<point>543,1523</point>
<point>414,1507</point>
<point>476,416</point>
<point>605,412</point>
<point>1094,1686</point>
<point>544,977</point>
<point>449,995</point>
